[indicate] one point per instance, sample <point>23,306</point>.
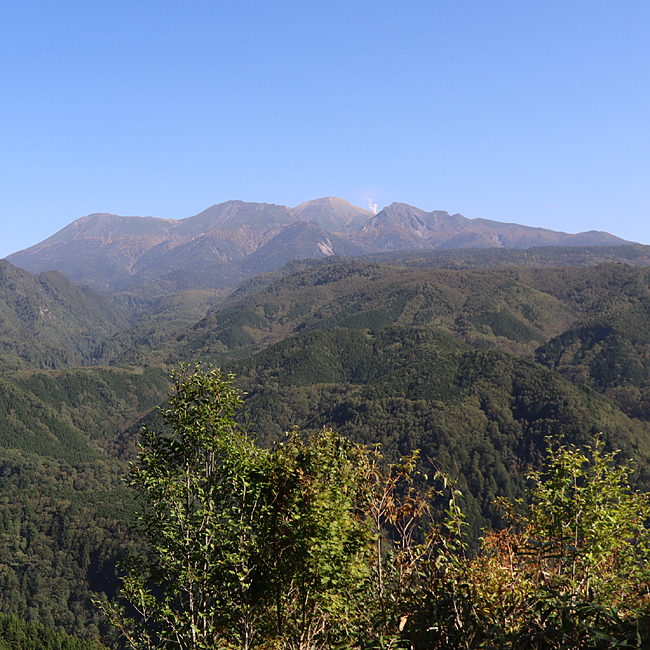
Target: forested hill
<point>513,309</point>
<point>320,339</point>
<point>478,306</point>
<point>47,321</point>
<point>482,415</point>
<point>475,366</point>
<point>65,513</point>
<point>535,257</point>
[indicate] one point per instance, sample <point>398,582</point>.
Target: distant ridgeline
<point>473,356</point>
<point>229,242</point>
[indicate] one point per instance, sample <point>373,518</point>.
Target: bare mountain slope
<point>335,215</point>
<point>302,240</point>
<point>403,227</point>
<point>229,241</point>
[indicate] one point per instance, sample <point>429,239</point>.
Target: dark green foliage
<point>48,322</point>
<point>503,323</point>
<point>481,415</point>
<point>481,307</point>
<point>65,513</point>
<point>592,323</point>
<point>570,573</point>
<point>542,256</point>
<point>314,545</point>
<point>73,413</point>
<point>234,335</point>
<point>156,321</point>
<point>608,349</point>
<point>62,529</point>
<point>16,634</point>
<point>409,357</point>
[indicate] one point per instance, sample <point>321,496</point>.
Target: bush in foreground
<point>314,544</point>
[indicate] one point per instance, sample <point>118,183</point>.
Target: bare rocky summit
<point>230,241</point>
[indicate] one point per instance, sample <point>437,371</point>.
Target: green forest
<point>317,543</point>
<point>494,367</point>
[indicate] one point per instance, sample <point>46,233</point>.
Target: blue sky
<point>534,112</point>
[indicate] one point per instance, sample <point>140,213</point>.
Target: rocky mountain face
<point>231,241</point>
<point>403,227</point>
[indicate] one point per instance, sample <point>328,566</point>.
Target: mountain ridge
<point>47,321</point>
<point>112,253</point>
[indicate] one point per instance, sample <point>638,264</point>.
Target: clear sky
<point>528,111</point>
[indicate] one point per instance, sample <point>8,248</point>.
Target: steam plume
<point>371,206</point>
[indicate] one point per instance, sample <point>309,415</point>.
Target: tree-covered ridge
<point>76,414</point>
<point>516,309</point>
<point>536,257</point>
<point>65,514</point>
<point>156,321</point>
<point>63,529</point>
<point>608,348</point>
<point>17,634</point>
<point>482,415</point>
<point>609,353</point>
<point>411,357</point>
<point>48,322</point>
<point>483,307</point>
<point>588,323</point>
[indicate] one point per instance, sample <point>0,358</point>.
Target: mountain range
<point>231,241</point>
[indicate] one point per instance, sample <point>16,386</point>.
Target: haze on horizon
<point>534,113</point>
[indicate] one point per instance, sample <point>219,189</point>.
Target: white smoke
<point>371,206</point>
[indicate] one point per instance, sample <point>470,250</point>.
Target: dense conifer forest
<point>475,359</point>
